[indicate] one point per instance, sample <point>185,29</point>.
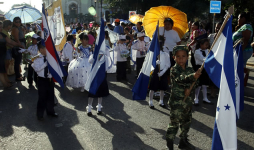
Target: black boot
<point>170,144</point>
<point>184,144</point>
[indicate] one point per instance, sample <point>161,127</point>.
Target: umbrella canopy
<point>136,18</point>
<point>160,13</point>
<point>26,14</point>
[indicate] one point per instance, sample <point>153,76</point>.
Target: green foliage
<point>192,8</point>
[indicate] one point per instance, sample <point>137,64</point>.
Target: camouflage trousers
<point>180,114</point>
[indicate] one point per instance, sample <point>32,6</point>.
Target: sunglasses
<point>17,21</point>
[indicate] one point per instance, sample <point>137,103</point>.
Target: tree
<point>192,8</point>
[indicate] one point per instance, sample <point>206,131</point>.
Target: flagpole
<point>229,13</point>
<point>238,42</point>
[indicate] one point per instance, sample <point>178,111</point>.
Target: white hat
<point>35,36</point>
<point>122,37</point>
<point>140,34</point>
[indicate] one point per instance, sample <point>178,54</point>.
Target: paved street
<point>124,125</point>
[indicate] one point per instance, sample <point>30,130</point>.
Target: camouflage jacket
<point>181,79</point>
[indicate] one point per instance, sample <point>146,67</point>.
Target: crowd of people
<point>172,70</point>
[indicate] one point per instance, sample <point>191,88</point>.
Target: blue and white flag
<point>219,66</point>
<point>140,88</point>
<point>98,71</point>
<point>239,79</point>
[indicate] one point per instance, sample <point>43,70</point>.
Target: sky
<point>8,4</point>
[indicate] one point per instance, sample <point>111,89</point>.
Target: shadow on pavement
<point>20,110</point>
<point>123,130</point>
<point>73,97</point>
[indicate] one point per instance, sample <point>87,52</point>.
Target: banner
<point>132,13</point>
<point>56,24</point>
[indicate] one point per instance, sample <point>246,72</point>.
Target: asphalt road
<point>124,125</point>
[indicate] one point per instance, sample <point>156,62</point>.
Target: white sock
<point>197,90</point>
<point>82,89</point>
<point>161,95</point>
<point>99,106</point>
<point>151,97</point>
<point>204,91</point>
<point>90,101</point>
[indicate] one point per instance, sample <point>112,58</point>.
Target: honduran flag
<point>54,64</point>
<point>219,66</point>
<point>239,79</point>
<point>140,88</point>
<point>98,71</point>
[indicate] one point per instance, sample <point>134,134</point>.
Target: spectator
<point>18,36</point>
<point>245,31</point>
<point>3,42</point>
<point>79,27</point>
<point>6,27</point>
<point>84,27</point>
<point>118,29</point>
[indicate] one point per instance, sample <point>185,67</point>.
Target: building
<point>77,10</point>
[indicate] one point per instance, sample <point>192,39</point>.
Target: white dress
<point>79,68</point>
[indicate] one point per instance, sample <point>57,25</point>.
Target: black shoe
<point>99,112</point>
<point>163,105</point>
<point>196,104</point>
<point>40,118</point>
<point>184,144</point>
<point>89,114</point>
<point>170,144</point>
<point>211,103</point>
<point>152,107</point>
<point>52,114</point>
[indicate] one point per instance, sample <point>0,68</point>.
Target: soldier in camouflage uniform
<point>182,77</point>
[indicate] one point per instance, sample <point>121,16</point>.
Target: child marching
<point>159,79</point>
<point>140,49</point>
<point>182,77</point>
<point>79,67</point>
<point>204,80</point>
<point>121,59</point>
<point>33,50</point>
<point>45,84</point>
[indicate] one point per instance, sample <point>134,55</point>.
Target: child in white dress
<point>79,68</point>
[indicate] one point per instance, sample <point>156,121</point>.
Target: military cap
<point>180,47</point>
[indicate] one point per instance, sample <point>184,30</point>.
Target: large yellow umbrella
<point>160,13</point>
<point>136,18</point>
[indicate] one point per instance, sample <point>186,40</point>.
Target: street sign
<point>132,13</point>
<point>215,7</point>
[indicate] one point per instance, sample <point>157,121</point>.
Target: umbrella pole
<point>159,45</point>
<point>231,10</point>
<point>24,17</point>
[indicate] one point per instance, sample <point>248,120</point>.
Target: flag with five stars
<point>219,66</point>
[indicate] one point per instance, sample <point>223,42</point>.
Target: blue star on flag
<point>227,107</point>
<point>218,108</point>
